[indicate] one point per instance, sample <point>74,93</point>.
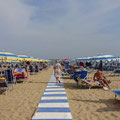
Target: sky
<point>60,28</point>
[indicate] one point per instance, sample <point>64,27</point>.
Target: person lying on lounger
<point>99,76</point>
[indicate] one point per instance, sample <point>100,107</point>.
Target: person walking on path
<point>57,71</point>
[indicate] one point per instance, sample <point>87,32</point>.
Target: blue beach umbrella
<point>103,57</point>
<point>83,59</point>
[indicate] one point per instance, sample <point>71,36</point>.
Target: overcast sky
<point>60,28</point>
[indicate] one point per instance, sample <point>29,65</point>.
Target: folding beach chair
<point>75,75</point>
<point>117,93</point>
<point>4,85</point>
<point>82,81</point>
<point>67,72</point>
<point>10,77</point>
<point>92,83</point>
<point>36,68</point>
<point>78,76</point>
<point>64,72</point>
<point>117,72</point>
<point>20,74</point>
<point>32,71</point>
<point>2,73</point>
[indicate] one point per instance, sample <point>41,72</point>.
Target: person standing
<point>57,71</point>
<point>100,65</point>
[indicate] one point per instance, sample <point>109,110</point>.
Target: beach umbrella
<point>35,60</point>
<point>24,58</point>
<point>5,60</point>
<point>15,61</point>
<point>6,56</point>
<point>103,57</point>
<point>83,59</point>
<point>40,60</point>
<point>65,59</point>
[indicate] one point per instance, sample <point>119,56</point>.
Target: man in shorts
<point>99,76</point>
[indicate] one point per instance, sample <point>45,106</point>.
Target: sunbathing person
<point>99,76</point>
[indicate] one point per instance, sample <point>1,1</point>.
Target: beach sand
<point>93,104</point>
<point>85,104</point>
<point>22,101</point>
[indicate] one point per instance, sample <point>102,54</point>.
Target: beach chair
<point>117,72</point>
<point>20,74</point>
<point>64,72</point>
<point>10,77</point>
<point>92,83</point>
<point>41,68</point>
<point>82,81</point>
<point>117,93</point>
<point>36,68</point>
<point>31,68</point>
<point>75,75</point>
<point>2,73</point>
<point>4,85</point>
<point>79,75</point>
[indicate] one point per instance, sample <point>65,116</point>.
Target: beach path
<point>53,104</point>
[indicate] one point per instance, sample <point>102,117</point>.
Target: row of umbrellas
<point>98,58</point>
<point>10,57</point>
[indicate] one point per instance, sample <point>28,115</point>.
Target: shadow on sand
<point>111,104</point>
<point>75,86</point>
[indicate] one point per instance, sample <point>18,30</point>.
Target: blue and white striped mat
<point>53,104</point>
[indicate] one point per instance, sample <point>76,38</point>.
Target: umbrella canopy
<point>5,60</point>
<point>83,59</point>
<point>97,58</point>
<point>24,58</point>
<point>8,56</point>
<point>65,59</point>
<point>103,57</point>
<point>34,60</point>
<point>40,60</point>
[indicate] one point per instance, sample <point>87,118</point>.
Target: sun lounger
<point>117,93</point>
<point>81,80</point>
<point>20,73</point>
<point>79,75</point>
<point>5,85</point>
<point>91,83</point>
<point>88,83</point>
<point>75,75</point>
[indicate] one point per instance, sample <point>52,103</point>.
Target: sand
<point>22,101</point>
<point>85,104</point>
<point>93,104</point>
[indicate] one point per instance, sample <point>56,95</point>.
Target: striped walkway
<point>53,104</point>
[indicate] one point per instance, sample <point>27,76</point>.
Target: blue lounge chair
<point>32,70</point>
<point>79,75</point>
<point>67,72</point>
<point>117,92</point>
<point>81,79</point>
<point>76,74</point>
<point>10,77</point>
<point>36,68</point>
<point>83,75</point>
